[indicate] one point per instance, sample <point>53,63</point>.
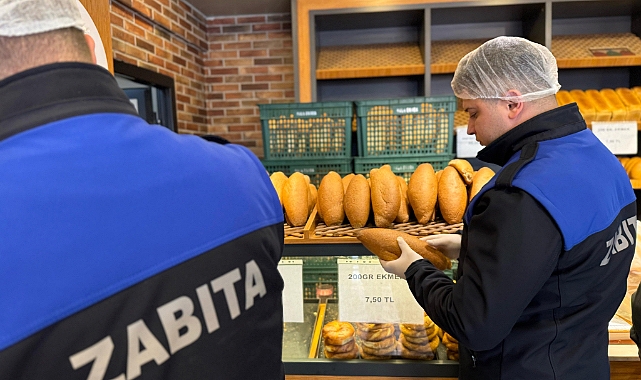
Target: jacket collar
<point>552,124</point>
<point>57,91</point>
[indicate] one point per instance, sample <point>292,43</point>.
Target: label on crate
<point>306,113</point>
<point>366,293</point>
<point>292,273</point>
<point>407,110</point>
<point>466,145</point>
<point>619,136</point>
<point>305,170</point>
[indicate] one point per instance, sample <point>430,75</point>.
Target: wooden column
<point>99,10</point>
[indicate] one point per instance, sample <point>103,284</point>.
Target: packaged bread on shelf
<point>563,97</point>
<point>422,192</point>
<point>585,106</point>
<point>619,111</point>
<point>385,195</point>
<point>631,102</point>
<point>357,201</point>
<point>601,107</point>
<point>338,340</point>
<point>295,194</point>
<point>330,199</point>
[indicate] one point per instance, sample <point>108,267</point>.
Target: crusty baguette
<point>382,242</point>
<point>481,177</point>
<point>295,192</point>
<point>312,197</point>
<point>422,192</point>
<point>403,215</point>
<point>357,201</point>
<point>464,168</point>
<point>385,195</point>
<point>278,179</point>
<point>346,181</point>
<point>330,199</point>
<point>452,196</point>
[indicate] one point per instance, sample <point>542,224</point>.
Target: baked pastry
<point>385,196</point>
<point>295,194</point>
<point>312,197</point>
<point>601,107</point>
<point>337,333</point>
<point>619,111</point>
<point>480,178</point>
<point>422,192</point>
<point>631,102</point>
<point>346,180</point>
<point>452,196</point>
<point>403,215</point>
<point>464,168</point>
<point>330,199</point>
<point>382,242</point>
<point>278,179</point>
<point>357,201</point>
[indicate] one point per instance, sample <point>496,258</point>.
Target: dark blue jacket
<point>546,251</point>
<point>127,249</point>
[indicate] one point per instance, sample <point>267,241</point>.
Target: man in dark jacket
<point>546,244</point>
<point>126,251</point>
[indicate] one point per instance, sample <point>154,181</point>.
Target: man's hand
<point>400,265</point>
<point>448,244</point>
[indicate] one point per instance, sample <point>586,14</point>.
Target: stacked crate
<point>404,133</point>
<point>311,138</point>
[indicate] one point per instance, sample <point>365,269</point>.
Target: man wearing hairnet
<point>126,251</point>
<point>546,245</point>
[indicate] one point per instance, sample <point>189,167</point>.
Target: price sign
<point>619,136</point>
<point>366,293</point>
<point>466,145</point>
<point>292,273</point>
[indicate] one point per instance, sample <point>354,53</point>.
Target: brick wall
<point>250,61</point>
<point>222,66</point>
<point>167,37</point>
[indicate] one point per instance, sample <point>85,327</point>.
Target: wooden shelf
<point>446,54</point>
<point>368,61</point>
<point>575,51</point>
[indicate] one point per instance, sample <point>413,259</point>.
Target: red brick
<point>238,95</point>
<point>222,21</point>
<point>268,78</point>
<point>269,94</point>
<point>280,52</point>
<point>252,87</point>
<point>225,87</point>
<point>273,44</point>
<point>266,27</point>
<point>268,61</point>
<point>238,78</point>
<point>253,70</point>
<point>253,53</point>
<point>239,111</point>
<point>241,128</point>
<point>239,62</point>
<point>251,19</point>
<point>236,46</point>
<point>224,104</point>
<point>252,36</point>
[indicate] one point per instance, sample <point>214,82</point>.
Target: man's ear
<point>92,47</point>
<point>514,107</point>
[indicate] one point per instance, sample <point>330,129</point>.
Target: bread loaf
<point>346,181</point>
<point>563,97</point>
<point>481,177</point>
<point>631,102</point>
<point>619,112</point>
<point>422,192</point>
<point>330,199</point>
<point>464,168</point>
<point>452,196</point>
<point>586,108</point>
<point>601,107</point>
<point>312,197</point>
<point>278,179</point>
<point>385,195</point>
<point>357,201</point>
<point>403,215</point>
<point>295,192</point>
<point>382,242</point>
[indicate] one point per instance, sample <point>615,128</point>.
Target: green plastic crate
<point>403,166</point>
<point>409,126</point>
<point>315,169</point>
<point>307,130</point>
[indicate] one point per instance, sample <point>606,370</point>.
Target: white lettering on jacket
<point>621,240</point>
<point>181,327</point>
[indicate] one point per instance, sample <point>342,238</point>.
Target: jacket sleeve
<point>510,248</point>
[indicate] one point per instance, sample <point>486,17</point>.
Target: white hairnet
<point>503,64</point>
<point>24,17</point>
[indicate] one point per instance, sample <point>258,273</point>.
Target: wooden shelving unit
<point>577,51</point>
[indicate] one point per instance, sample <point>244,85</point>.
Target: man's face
<point>488,119</point>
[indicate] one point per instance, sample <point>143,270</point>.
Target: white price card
<point>292,273</point>
<point>466,145</point>
<point>366,293</point>
<point>619,136</point>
